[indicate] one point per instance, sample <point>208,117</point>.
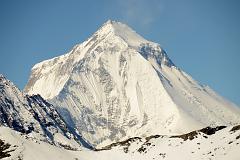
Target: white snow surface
<point>118,85</point>
<point>222,145</point>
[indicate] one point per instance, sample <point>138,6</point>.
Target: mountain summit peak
<point>119,29</point>
<point>110,21</point>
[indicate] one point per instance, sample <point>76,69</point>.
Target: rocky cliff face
<point>117,85</point>
<point>32,115</point>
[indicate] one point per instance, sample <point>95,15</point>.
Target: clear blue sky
<point>201,36</point>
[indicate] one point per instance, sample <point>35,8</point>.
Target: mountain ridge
<point>34,116</point>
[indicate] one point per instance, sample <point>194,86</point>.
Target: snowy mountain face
<point>33,116</point>
<point>118,85</point>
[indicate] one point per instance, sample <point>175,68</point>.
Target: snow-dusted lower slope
<point>33,116</point>
<point>209,143</point>
<point>27,147</point>
<point>117,85</point>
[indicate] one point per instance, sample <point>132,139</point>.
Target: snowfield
<point>222,145</point>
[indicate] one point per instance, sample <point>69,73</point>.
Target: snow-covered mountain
<point>117,85</point>
<point>34,117</point>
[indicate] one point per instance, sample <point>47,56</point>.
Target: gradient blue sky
<point>200,36</point>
